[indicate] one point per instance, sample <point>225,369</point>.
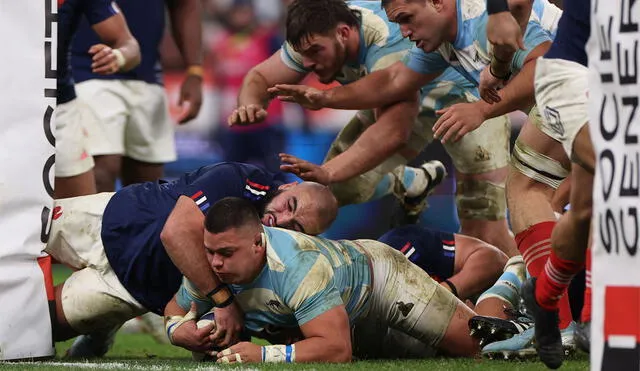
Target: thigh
<point>94,299</point>
<point>561,95</point>
<point>406,298</point>
<point>75,236</point>
<point>150,133</point>
<point>72,147</point>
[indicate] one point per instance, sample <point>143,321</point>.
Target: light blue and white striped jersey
<point>303,277</point>
<point>381,45</point>
<point>471,52</point>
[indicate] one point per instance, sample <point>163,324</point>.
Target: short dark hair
<point>308,17</point>
<point>230,212</point>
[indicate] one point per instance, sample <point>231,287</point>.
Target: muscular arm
<point>378,89</point>
<point>327,338</point>
<point>114,32</point>
<point>187,29</point>
<point>263,76</point>
<point>519,94</point>
<point>378,142</point>
<point>183,239</point>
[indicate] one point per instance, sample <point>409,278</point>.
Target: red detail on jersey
<point>258,186</point>
<point>449,243</point>
<point>57,212</point>
<point>405,247</point>
<point>196,195</point>
<point>45,265</point>
<point>622,311</point>
<point>60,2</point>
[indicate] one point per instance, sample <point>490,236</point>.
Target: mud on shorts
<point>408,311</point>
<point>92,297</point>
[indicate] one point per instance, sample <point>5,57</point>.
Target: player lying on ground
<point>345,41</point>
<point>131,248</point>
<point>286,279</point>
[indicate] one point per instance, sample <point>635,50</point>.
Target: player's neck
<point>451,12</point>
<point>353,45</point>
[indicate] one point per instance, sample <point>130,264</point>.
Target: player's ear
<point>287,186</point>
<point>260,240</point>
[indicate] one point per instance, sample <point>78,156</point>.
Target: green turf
<point>140,352</point>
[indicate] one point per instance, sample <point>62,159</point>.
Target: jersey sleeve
<point>425,63</point>
<point>292,58</point>
<point>380,58</point>
<point>97,11</point>
<point>188,293</point>
<point>308,287</point>
<point>534,36</point>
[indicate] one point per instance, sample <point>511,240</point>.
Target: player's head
<point>306,207</point>
<point>322,31</point>
<point>425,22</point>
<point>233,239</point>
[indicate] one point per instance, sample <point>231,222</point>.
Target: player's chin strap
<point>171,323</point>
<point>279,353</point>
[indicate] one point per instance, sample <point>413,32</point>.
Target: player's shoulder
<point>287,249</point>
<point>375,26</point>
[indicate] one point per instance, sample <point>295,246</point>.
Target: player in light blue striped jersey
<point>345,42</point>
<point>285,280</point>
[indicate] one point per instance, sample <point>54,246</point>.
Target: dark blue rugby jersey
<point>70,14</point>
<point>433,251</point>
<point>573,32</point>
<point>146,22</point>
<point>135,216</point>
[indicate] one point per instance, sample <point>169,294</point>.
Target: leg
<point>149,137</point>
<point>74,175</point>
<point>134,171</point>
<point>481,159</point>
<point>107,171</point>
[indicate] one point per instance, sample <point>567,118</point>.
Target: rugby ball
<point>204,321</point>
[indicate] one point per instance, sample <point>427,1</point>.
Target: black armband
<point>497,6</point>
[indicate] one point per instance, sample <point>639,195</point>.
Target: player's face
<point>296,209</point>
<point>419,21</point>
<point>233,255</point>
<point>324,55</point>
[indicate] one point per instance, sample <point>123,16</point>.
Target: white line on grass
<point>123,365</point>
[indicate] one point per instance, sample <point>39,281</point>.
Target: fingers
<point>521,43</point>
<point>229,356</point>
<point>293,169</point>
<point>290,159</point>
<point>248,114</point>
<point>286,89</point>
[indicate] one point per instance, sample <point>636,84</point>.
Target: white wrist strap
<point>279,353</point>
<point>120,59</point>
<point>172,323</point>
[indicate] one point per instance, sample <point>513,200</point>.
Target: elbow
<point>340,353</point>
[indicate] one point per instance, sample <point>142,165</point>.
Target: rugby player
<point>344,41</point>
<point>285,279</point>
<point>116,50</point>
<point>131,248</point>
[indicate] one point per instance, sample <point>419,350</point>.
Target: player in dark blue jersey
<point>561,90</point>
<point>138,132</point>
<point>131,248</point>
<point>115,50</point>
<point>464,265</point>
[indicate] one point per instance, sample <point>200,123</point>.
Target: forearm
<point>377,143</point>
<point>186,252</point>
<point>521,11</point>
<point>173,309</point>
<point>481,269</point>
<point>519,94</point>
<point>187,30</point>
<point>254,90</point>
<point>131,52</point>
<point>377,89</point>
<point>319,349</point>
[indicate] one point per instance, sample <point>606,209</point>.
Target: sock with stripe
<point>507,287</point>
<point>535,245</point>
<point>586,308</point>
<point>414,182</point>
<point>554,280</point>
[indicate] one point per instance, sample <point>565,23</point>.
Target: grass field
<point>140,352</point>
